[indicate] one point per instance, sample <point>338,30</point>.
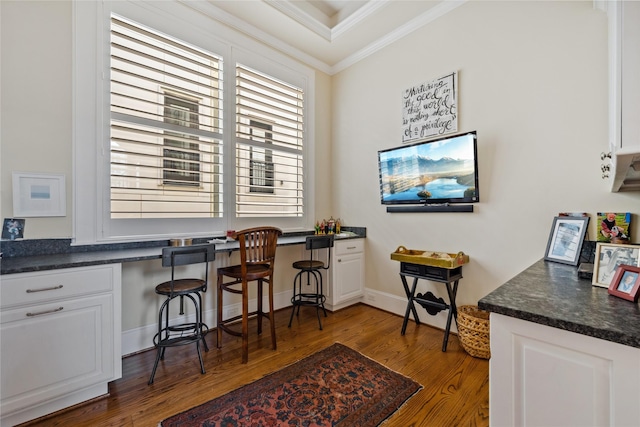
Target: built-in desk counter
<point>39,255</point>
<point>563,352</point>
<point>551,294</point>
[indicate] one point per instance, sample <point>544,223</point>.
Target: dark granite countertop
<point>53,254</point>
<point>551,294</point>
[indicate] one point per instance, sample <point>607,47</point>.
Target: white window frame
<point>91,196</point>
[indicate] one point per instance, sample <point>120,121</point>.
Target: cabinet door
<point>50,350</point>
<point>544,376</point>
<point>348,277</point>
<point>630,96</point>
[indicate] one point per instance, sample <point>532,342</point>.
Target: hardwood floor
<point>455,385</point>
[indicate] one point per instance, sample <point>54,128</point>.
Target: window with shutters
<point>269,146</point>
<point>198,129</point>
<point>166,126</point>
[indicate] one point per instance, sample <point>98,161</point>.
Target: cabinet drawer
<point>349,246</point>
<point>30,288</point>
<point>52,350</point>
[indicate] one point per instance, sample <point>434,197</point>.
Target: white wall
<point>533,83</point>
<point>35,127</point>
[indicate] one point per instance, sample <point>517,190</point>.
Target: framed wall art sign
<point>430,108</point>
<point>626,283</point>
<point>609,257</point>
<point>38,195</point>
<point>566,239</point>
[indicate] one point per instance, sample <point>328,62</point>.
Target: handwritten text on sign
<point>430,109</point>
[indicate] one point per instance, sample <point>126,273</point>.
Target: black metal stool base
<point>309,299</point>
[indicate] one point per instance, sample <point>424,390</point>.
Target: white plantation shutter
<point>166,126</point>
<point>269,146</point>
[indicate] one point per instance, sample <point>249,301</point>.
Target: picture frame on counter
<point>566,239</point>
<point>13,229</point>
<point>609,256</point>
<point>626,283</point>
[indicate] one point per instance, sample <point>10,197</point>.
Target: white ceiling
<point>329,35</point>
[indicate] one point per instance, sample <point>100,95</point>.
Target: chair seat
<point>254,272</point>
<point>308,264</point>
<point>181,286</point>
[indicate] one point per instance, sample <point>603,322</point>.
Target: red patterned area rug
<point>336,386</point>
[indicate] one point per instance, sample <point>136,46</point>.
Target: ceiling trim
<point>238,24</point>
<point>294,12</point>
<point>302,17</point>
<point>418,22</point>
<point>232,21</point>
<point>356,17</point>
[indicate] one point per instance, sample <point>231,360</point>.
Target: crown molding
<point>289,8</point>
<point>300,16</point>
<point>356,17</point>
<point>237,24</point>
<point>400,32</point>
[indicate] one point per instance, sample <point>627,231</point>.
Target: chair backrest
<point>320,242</point>
<point>258,245</point>
<point>183,255</point>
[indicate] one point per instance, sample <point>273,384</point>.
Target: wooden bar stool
<point>257,259</point>
<point>313,295</point>
<point>178,334</point>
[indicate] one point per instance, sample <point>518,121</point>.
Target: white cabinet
<point>347,273</point>
<point>59,339</point>
<point>624,93</point>
<point>544,376</point>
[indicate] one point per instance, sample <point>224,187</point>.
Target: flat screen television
<point>439,171</point>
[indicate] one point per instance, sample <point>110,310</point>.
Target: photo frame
<point>614,227</point>
<point>38,195</point>
<point>566,239</point>
<point>13,229</point>
<point>626,283</point>
<point>609,256</point>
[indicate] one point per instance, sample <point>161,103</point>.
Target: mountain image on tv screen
<point>443,170</point>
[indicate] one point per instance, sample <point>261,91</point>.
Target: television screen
<point>440,171</point>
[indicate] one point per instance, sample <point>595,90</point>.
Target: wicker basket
<point>473,331</point>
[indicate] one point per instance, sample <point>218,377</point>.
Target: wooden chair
<point>313,294</point>
<point>177,334</point>
<point>257,259</point>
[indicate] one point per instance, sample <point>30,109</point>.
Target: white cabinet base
<point>543,376</point>
<point>55,405</point>
<point>60,339</point>
<point>347,274</point>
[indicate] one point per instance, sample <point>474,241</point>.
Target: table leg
<point>410,306</point>
<point>453,312</point>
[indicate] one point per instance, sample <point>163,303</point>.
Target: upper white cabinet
<point>624,94</point>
